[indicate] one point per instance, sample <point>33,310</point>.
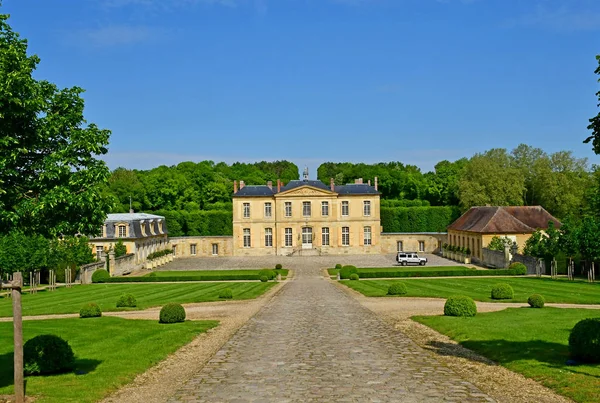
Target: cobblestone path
<point>314,343</point>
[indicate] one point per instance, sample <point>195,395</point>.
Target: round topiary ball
<point>354,276</point>
<point>519,268</point>
<point>47,354</point>
<point>584,341</point>
<point>460,305</point>
<point>100,276</point>
<point>536,301</point>
<point>126,301</point>
<point>264,279</point>
<point>172,313</point>
<point>502,291</point>
<point>397,289</point>
<point>278,266</point>
<point>346,271</point>
<point>338,266</point>
<point>90,310</point>
<point>226,293</point>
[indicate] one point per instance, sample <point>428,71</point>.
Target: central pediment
<point>306,191</point>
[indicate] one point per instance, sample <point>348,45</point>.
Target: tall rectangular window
<point>268,211</point>
<point>345,236</point>
<point>215,249</point>
<point>193,249</point>
<point>247,243</point>
<point>99,251</point>
<point>421,246</point>
<point>366,208</point>
<point>345,208</point>
<point>324,209</point>
<point>325,236</point>
<point>268,236</point>
<point>288,209</point>
<point>174,250</point>
<point>288,237</point>
<point>246,210</point>
<point>400,246</point>
<point>367,236</point>
<point>306,209</point>
<point>122,231</point>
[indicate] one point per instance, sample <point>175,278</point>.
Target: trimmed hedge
<point>397,289</point>
<point>347,271</point>
<point>584,341</point>
<point>158,279</point>
<point>367,273</point>
<point>536,301</point>
<point>519,267</point>
<point>502,291</point>
<point>100,276</point>
<point>269,274</point>
<point>338,266</point>
<point>172,313</point>
<point>460,305</point>
<point>126,301</point>
<point>90,310</point>
<point>47,354</point>
<point>226,294</point>
<point>354,276</point>
<point>278,266</point>
<point>264,279</point>
<point>418,219</point>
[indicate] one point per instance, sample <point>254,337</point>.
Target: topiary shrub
<point>519,268</point>
<point>346,271</point>
<point>100,276</point>
<point>460,305</point>
<point>354,276</point>
<point>152,274</point>
<point>126,301</point>
<point>47,354</point>
<point>172,313</point>
<point>536,301</point>
<point>278,266</point>
<point>226,294</point>
<point>502,291</point>
<point>269,274</point>
<point>90,310</point>
<point>397,289</point>
<point>264,279</point>
<point>338,266</point>
<point>584,341</point>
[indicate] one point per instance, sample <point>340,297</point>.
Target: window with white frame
<point>193,249</point>
<point>367,236</point>
<point>345,236</point>
<point>99,251</point>
<point>268,210</point>
<point>306,209</point>
<point>288,209</point>
<point>247,238</point>
<point>400,246</point>
<point>246,210</point>
<point>345,208</point>
<point>366,208</point>
<point>325,236</point>
<point>288,237</point>
<point>268,236</point>
<point>324,209</point>
<point>122,231</point>
<point>215,249</point>
<point>174,250</point>
<point>421,246</point>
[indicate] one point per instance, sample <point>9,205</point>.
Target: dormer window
<point>143,227</point>
<point>122,228</point>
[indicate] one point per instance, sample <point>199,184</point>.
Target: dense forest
<point>196,197</point>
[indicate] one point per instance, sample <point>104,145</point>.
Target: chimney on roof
<point>375,183</point>
<point>242,184</point>
<point>270,184</point>
<point>278,185</point>
<point>131,211</point>
<point>332,184</point>
<point>358,181</point>
<point>369,182</point>
<point>234,187</point>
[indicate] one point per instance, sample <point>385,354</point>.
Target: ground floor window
<point>215,249</point>
<point>400,246</point>
<point>325,236</point>
<point>269,237</point>
<point>99,251</point>
<point>367,237</point>
<point>247,238</point>
<point>288,237</point>
<point>193,249</point>
<point>174,250</point>
<point>345,236</point>
<point>421,246</point>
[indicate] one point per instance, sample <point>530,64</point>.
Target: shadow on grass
<point>83,366</point>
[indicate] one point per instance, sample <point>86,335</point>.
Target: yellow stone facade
<point>476,241</point>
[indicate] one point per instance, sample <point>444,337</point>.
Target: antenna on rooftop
<point>130,207</point>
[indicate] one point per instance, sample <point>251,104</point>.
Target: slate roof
<point>252,190</point>
<point>134,220</point>
<point>356,189</point>
<point>350,189</point>
<point>298,183</point>
<point>504,220</point>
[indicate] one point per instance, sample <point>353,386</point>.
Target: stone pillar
<point>111,258</point>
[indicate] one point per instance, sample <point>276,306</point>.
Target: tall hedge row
<point>418,219</point>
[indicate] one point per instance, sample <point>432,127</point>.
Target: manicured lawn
<point>70,300</point>
<point>222,274</point>
<point>533,342</point>
<point>334,272</point>
<point>109,353</point>
<point>558,291</point>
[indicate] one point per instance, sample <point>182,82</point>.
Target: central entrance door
<point>307,237</point>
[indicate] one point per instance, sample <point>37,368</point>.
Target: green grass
<point>533,342</point>
<point>70,300</point>
<point>109,353</point>
<point>207,275</point>
<point>557,291</point>
<point>333,272</point>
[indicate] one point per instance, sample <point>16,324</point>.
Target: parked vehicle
<point>406,258</point>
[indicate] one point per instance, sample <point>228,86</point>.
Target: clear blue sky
<point>311,81</point>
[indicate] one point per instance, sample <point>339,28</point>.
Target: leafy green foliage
<point>226,294</point>
<point>460,305</point>
<point>126,301</point>
<point>418,219</point>
<point>120,248</point>
<point>338,266</point>
<point>502,291</point>
<point>536,301</point>
<point>584,341</point>
<point>100,276</point>
<point>90,310</point>
<point>50,177</point>
<point>47,354</point>
<point>269,274</point>
<point>354,276</point>
<point>397,289</point>
<point>594,125</point>
<point>278,266</point>
<point>498,243</point>
<point>264,279</point>
<point>443,272</point>
<point>518,268</point>
<point>159,253</point>
<point>172,313</point>
<point>346,271</point>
